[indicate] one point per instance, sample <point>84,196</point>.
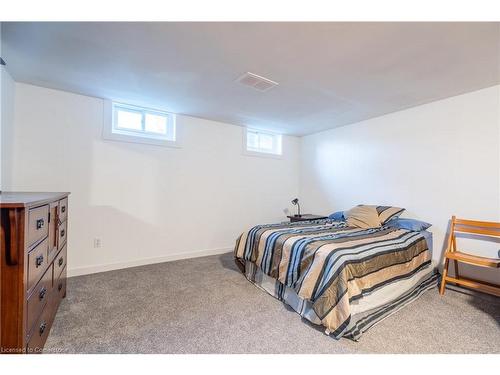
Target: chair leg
<point>445,273</point>
<point>457,276</point>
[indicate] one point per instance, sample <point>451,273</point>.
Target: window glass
<point>263,142</point>
<point>156,123</point>
<point>128,119</point>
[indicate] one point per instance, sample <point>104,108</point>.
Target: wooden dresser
<point>33,267</point>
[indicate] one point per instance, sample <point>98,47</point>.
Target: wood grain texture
<point>27,302</point>
<point>484,228</point>
<point>53,230</point>
<point>38,224</point>
<point>11,199</point>
<point>37,263</point>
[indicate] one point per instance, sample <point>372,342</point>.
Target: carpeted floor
<point>205,305</point>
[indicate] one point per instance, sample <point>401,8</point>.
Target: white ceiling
<point>329,74</point>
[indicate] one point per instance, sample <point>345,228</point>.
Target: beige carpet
<point>205,305</point>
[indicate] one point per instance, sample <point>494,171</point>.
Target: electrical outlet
<point>97,243</point>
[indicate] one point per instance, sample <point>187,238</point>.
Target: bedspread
<point>332,265</point>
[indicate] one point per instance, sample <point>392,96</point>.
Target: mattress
<point>343,278</point>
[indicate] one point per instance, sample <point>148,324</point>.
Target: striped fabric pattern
<point>355,331</point>
<point>330,264</point>
<point>386,213</point>
<point>364,317</point>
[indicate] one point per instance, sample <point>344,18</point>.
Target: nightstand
<point>305,217</point>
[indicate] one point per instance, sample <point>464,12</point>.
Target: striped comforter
<point>332,265</point>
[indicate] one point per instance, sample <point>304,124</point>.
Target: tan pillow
<point>363,217</point>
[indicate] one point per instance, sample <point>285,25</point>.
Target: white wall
<point>146,203</point>
<point>7,86</point>
<point>150,203</point>
<point>1,108</point>
<point>435,160</point>
<point>7,91</point>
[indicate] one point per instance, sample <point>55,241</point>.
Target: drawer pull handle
<point>61,260</point>
<point>62,233</point>
<point>39,224</point>
<point>39,261</point>
<point>59,287</point>
<point>42,294</point>
<point>42,328</point>
<point>63,209</point>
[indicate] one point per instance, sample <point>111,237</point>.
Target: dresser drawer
<point>59,291</point>
<point>39,297</point>
<point>37,263</point>
<point>40,331</point>
<point>38,224</point>
<point>63,233</point>
<point>63,209</point>
<point>59,262</point>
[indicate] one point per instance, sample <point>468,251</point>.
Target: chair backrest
<point>486,228</point>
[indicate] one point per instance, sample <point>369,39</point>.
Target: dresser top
<point>15,199</point>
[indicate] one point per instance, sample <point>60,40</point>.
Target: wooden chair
<point>483,228</point>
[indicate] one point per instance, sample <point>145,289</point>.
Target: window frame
<point>115,133</point>
<point>253,152</point>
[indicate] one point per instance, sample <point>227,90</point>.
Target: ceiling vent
<point>256,82</point>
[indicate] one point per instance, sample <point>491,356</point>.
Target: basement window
<point>129,123</point>
<point>262,143</point>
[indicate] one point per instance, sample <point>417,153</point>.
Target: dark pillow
<point>337,216</point>
<point>409,224</point>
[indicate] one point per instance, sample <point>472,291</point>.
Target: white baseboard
<point>87,270</point>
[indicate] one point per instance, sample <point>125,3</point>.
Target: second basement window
<point>262,142</point>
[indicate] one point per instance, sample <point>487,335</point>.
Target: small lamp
<point>295,202</point>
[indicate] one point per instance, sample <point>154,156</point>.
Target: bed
<point>344,278</point>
